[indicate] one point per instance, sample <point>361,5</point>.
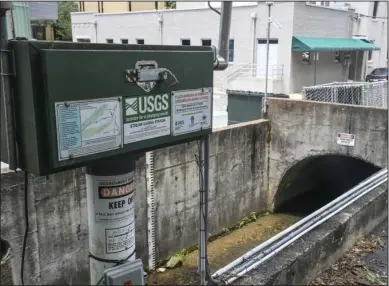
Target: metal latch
<point>147,74</point>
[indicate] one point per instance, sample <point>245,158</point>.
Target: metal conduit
<point>298,224</point>
<point>304,229</point>
<point>289,242</point>
<point>289,235</point>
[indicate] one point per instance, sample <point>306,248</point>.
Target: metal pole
<point>95,23</point>
<point>267,57</point>
<point>160,21</point>
<point>254,44</point>
<point>111,218</point>
<point>224,36</point>
<point>204,189</point>
<point>356,65</point>
<point>6,93</point>
<point>314,66</point>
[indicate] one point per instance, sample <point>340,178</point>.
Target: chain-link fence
<point>374,94</point>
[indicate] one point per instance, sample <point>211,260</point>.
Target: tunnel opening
<point>316,181</point>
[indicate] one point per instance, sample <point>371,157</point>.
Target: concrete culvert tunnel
<point>317,180</point>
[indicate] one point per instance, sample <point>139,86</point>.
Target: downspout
<point>95,24</point>
<point>221,62</point>
<point>160,21</point>
<point>254,42</point>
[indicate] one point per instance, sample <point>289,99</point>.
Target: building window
<point>156,5</point>
<point>83,40</point>
<point>124,41</point>
<point>231,50</point>
<point>206,42</point>
<point>185,42</point>
<point>38,31</point>
<point>140,41</point>
<point>370,55</point>
<point>306,58</point>
<point>337,57</point>
<point>129,6</point>
<point>325,3</point>
<point>375,9</point>
<point>110,41</point>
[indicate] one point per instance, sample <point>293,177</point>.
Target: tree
<point>170,4</point>
<point>63,26</point>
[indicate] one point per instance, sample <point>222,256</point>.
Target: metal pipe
<point>224,36</point>
<point>356,65</point>
<point>292,228</point>
<point>284,240</point>
<point>254,44</point>
<point>213,9</point>
<point>269,4</point>
<point>296,225</point>
<point>6,92</point>
<point>160,21</point>
<point>95,24</point>
<point>314,66</point>
<point>290,241</point>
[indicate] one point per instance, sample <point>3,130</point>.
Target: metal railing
<point>257,71</point>
<point>249,71</point>
<point>373,94</point>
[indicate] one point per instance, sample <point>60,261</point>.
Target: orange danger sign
<point>114,192</point>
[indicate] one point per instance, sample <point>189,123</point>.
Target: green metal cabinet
<point>72,100</point>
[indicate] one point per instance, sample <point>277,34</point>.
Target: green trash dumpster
<point>246,106</point>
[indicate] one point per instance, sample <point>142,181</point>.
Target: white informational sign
<point>120,239</point>
<point>345,139</point>
<point>114,201</point>
<point>88,127</point>
<point>191,110</point>
<point>146,117</point>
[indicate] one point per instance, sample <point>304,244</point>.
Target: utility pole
<point>269,4</point>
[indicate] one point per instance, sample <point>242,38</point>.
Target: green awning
<point>314,44</point>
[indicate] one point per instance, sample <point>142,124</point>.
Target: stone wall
<point>57,245</point>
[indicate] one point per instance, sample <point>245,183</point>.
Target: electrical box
<point>127,274</point>
<point>75,103</point>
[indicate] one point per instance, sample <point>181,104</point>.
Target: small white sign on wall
<point>345,139</point>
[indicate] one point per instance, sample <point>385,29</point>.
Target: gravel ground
<point>365,264</point>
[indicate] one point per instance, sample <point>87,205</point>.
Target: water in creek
<point>225,249</point>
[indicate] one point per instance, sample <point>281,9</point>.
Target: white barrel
<point>111,218</point>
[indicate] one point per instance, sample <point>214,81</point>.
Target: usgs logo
<point>147,104</point>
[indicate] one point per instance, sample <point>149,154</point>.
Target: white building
<point>370,22</point>
<point>200,26</point>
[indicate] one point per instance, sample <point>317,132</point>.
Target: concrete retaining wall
<point>247,163</point>
<point>301,129</point>
<point>57,246</point>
